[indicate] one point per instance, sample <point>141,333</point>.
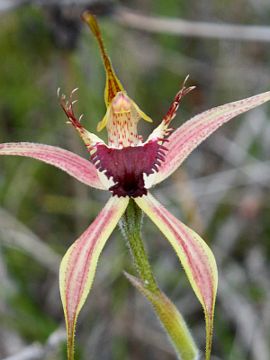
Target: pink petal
<point>83,170</point>
<point>78,266</point>
<point>197,259</point>
<point>184,140</point>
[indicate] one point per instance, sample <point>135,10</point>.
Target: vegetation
<point>222,191</point>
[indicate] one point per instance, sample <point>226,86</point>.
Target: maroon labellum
<point>128,165</point>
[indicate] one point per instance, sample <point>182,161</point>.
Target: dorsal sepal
<point>113,84</point>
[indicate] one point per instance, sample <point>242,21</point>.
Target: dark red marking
<point>175,104</point>
<point>126,166</point>
<point>68,109</point>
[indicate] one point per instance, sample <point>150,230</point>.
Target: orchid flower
<point>128,167</point>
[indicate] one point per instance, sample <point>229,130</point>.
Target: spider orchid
<point>128,167</point>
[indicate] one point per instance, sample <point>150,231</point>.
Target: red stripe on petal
<point>194,254</point>
<point>197,260</point>
<point>83,249</point>
<point>78,266</point>
<point>81,169</point>
<point>192,133</point>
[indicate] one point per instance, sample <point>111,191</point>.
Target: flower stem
<point>171,319</point>
<point>130,224</point>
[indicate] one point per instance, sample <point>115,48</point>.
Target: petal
<point>67,105</point>
<point>65,160</point>
<point>141,114</point>
<point>163,129</point>
<point>78,266</point>
<point>184,140</point>
<point>113,84</point>
<point>197,259</point>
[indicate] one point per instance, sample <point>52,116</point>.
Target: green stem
<point>130,224</point>
<point>171,319</point>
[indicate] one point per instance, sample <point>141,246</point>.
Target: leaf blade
<point>171,319</point>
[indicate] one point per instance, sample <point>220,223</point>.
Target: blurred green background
<point>222,190</point>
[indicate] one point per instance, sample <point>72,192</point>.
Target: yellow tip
<point>101,125</point>
<point>91,21</point>
<point>141,113</point>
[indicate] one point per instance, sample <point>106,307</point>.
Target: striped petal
<point>65,160</point>
<point>197,259</point>
<point>78,266</point>
<point>184,140</point>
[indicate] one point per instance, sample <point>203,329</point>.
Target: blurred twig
<point>182,27</point>
<point>13,233</point>
<point>244,315</point>
<point>221,181</point>
<point>37,351</point>
<point>158,24</point>
<point>6,5</point>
